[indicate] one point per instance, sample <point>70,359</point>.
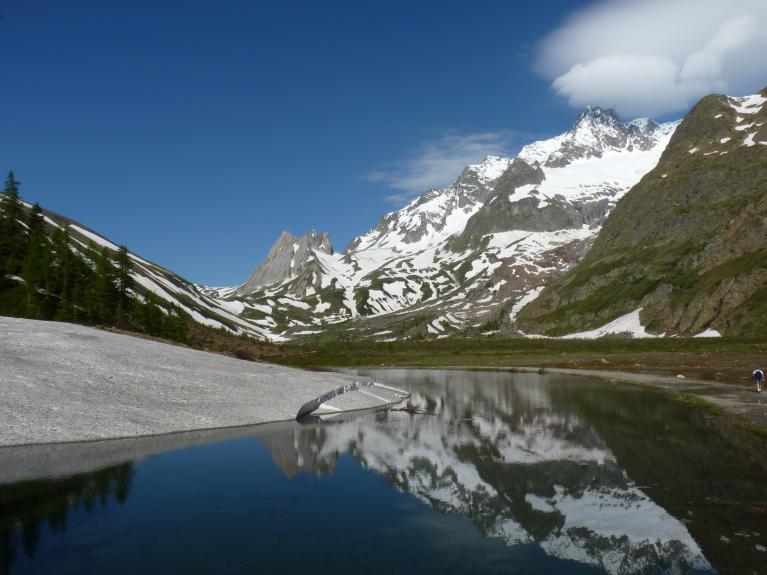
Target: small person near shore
<point>758,377</point>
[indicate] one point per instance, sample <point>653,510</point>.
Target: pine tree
<point>34,268</point>
<point>175,324</point>
<point>11,230</point>
<point>11,184</point>
<point>106,296</point>
<point>81,280</point>
<point>59,282</point>
<point>123,283</point>
<point>151,317</point>
<point>36,221</point>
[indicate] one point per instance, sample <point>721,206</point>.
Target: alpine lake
<point>478,472</point>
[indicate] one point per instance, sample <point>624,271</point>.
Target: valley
<point>565,239</point>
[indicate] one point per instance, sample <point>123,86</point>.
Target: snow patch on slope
<point>626,324</point>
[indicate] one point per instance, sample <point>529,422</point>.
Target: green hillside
<point>687,244</point>
<point>45,275</point>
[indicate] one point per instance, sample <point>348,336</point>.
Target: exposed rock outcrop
<point>287,259</point>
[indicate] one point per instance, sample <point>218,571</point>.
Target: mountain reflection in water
<point>515,459</point>
<point>557,474</point>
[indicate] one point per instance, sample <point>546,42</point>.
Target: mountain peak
<point>598,114</point>
<point>490,168</point>
<point>596,131</point>
<point>595,122</point>
<point>312,239</point>
<point>287,258</point>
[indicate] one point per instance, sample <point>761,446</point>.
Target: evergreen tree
<point>59,282</point>
<point>124,282</point>
<point>151,318</point>
<point>35,220</point>
<point>81,281</point>
<point>106,294</point>
<point>11,185</point>
<point>37,261</point>
<point>175,324</point>
<point>11,230</point>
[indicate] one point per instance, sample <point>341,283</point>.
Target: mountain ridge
<point>480,256</point>
<point>429,268</point>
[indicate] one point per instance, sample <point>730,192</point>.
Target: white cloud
<point>653,57</point>
<point>438,162</point>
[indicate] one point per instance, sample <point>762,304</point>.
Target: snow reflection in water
<point>521,467</point>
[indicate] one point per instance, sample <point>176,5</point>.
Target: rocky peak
<point>312,240</point>
<point>476,182</point>
<point>595,132</point>
<point>287,258</point>
<point>595,116</point>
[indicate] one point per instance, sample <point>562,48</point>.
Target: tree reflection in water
<point>27,507</point>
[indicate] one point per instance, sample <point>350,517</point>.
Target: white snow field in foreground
<point>62,382</point>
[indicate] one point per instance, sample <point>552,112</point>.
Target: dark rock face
<point>687,244</point>
<point>528,214</point>
<point>519,173</point>
<point>500,213</point>
<point>288,258</point>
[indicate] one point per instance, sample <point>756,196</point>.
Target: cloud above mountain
<point>655,57</point>
<point>437,162</point>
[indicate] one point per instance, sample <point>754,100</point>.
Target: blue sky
<point>196,132</point>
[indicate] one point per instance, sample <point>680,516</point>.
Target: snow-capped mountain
<point>595,133</point>
<point>466,256</point>
<point>437,214</point>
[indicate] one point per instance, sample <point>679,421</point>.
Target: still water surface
<point>490,473</point>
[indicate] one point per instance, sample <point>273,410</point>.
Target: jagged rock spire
<point>287,258</point>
